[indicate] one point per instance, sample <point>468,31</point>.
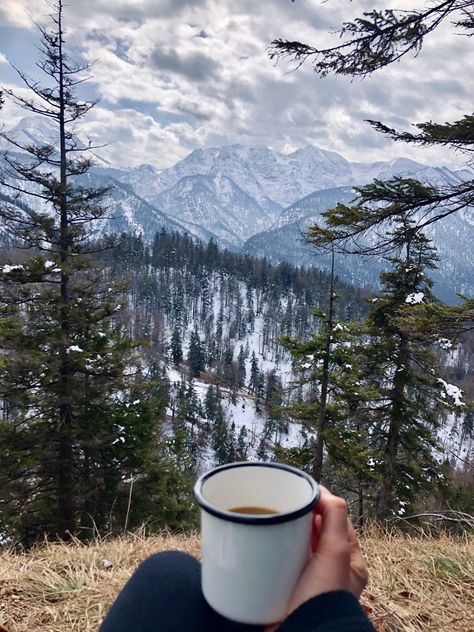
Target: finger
<point>353,539</point>
<point>359,576</point>
<point>316,532</point>
<point>359,571</point>
<point>333,512</point>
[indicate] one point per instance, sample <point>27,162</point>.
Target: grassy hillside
<point>416,584</point>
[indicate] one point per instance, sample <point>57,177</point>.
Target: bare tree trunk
<point>65,469</point>
<point>385,498</point>
<point>360,499</point>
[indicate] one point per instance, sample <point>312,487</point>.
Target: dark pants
<point>164,595</point>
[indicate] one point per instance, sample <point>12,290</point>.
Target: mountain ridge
<point>255,199</point>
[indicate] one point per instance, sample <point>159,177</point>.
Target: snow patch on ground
<point>456,444</point>
<point>8,268</point>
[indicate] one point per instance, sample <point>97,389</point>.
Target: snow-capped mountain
<point>41,132</point>
<point>260,200</point>
<point>452,236</point>
<point>31,130</point>
<point>217,203</point>
<point>276,181</point>
<point>285,240</point>
<point>312,205</point>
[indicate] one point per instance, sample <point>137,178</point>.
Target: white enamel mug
<point>251,563</point>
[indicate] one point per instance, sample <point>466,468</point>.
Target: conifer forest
<point>135,354</point>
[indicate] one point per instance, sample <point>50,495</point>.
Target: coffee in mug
<point>253,510</point>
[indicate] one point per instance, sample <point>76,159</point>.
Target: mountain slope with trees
<point>368,44</point>
<point>129,363</point>
<point>254,199</point>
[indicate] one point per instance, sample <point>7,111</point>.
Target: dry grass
<point>416,583</point>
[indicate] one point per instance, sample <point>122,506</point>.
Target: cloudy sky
<point>174,75</point>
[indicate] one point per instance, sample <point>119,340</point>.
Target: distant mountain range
<point>260,201</point>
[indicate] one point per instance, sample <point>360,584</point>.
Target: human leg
<point>164,595</point>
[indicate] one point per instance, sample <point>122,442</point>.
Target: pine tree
<point>195,355</point>
<point>205,295</point>
<point>262,454</point>
<point>210,403</point>
<point>227,369</point>
<point>241,324</point>
<point>242,444</point>
<point>220,436</point>
<point>402,365</point>
<point>178,310</point>
<point>371,225</point>
<point>468,424</point>
<point>370,43</point>
<point>212,254</point>
<point>66,365</point>
<point>194,409</point>
<point>181,414</point>
<point>254,373</point>
<point>232,444</point>
<point>328,371</point>
<point>176,348</point>
<point>241,373</point>
<point>220,323</point>
<point>276,421</point>
<point>250,309</point>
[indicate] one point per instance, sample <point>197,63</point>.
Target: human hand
<point>336,562</point>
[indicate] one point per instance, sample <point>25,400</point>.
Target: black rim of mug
<point>259,519</point>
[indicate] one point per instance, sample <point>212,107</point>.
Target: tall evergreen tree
<point>330,359</point>
<point>66,362</point>
<point>232,444</point>
<point>242,444</point>
<point>176,348</point>
<point>220,435</point>
<point>250,309</point>
<point>371,42</point>
<point>241,373</point>
<point>211,402</point>
<point>254,373</point>
<point>262,453</point>
<point>407,374</point>
<point>325,364</point>
<point>194,409</point>
<point>228,371</point>
<point>195,355</point>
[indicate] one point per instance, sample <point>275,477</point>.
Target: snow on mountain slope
<point>41,131</point>
<point>217,203</point>
<point>314,204</point>
<point>451,236</point>
<point>246,195</point>
<point>31,130</point>
<point>126,211</point>
<point>264,184</point>
<point>365,172</point>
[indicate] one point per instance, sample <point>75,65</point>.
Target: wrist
<point>322,609</point>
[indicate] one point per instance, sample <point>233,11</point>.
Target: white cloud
<point>3,59</point>
<point>137,138</point>
<point>16,13</point>
<point>197,72</point>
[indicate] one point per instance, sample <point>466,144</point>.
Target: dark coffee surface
<point>253,510</point>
